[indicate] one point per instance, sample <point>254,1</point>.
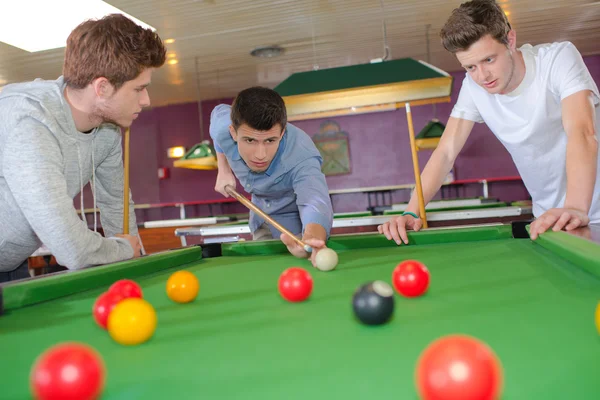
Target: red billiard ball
<point>104,305</point>
<point>295,284</point>
<point>458,367</point>
<point>127,288</point>
<point>411,278</point>
<point>68,371</point>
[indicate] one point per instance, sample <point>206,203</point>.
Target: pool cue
<point>413,149</point>
<point>267,218</point>
<point>126,185</point>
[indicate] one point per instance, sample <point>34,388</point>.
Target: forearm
<point>223,164</point>
<point>112,215</point>
<point>432,178</point>
<point>453,139</point>
<point>314,231</point>
<point>50,213</point>
<point>582,161</point>
<point>312,198</point>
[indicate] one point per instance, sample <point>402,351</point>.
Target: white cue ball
<point>326,259</point>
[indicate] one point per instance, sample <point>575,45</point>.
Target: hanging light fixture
<point>202,155</point>
<point>430,135</point>
<point>381,85</point>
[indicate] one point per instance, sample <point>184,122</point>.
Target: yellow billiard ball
<point>598,318</point>
<point>132,321</point>
<point>182,287</point>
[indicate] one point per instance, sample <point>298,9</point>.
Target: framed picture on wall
<point>334,146</point>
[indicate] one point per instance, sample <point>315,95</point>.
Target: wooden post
<point>415,158</point>
<point>126,185</point>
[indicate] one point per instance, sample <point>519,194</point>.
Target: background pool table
<point>532,302</point>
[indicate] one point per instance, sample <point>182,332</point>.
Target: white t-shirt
<point>528,121</point>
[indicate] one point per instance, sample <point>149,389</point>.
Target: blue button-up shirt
<point>293,190</point>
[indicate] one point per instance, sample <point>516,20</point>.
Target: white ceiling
<point>213,38</point>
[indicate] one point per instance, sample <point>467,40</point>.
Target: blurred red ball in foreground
<point>459,367</point>
<point>68,371</point>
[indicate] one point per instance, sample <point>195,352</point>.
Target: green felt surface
<point>240,340</point>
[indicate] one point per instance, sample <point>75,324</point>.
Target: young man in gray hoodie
<point>56,136</point>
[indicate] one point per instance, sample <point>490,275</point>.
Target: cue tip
<point>307,248</point>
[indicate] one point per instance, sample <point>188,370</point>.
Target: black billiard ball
<point>373,303</point>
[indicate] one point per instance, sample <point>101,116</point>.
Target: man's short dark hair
<point>472,21</point>
<point>258,107</point>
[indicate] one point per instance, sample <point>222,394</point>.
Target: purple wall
<point>379,151</point>
<point>157,130</point>
<point>380,155</point>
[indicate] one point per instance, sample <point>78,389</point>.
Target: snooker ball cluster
<point>296,284</point>
<point>373,302</point>
<point>123,312</point>
<point>74,370</point>
<point>454,367</point>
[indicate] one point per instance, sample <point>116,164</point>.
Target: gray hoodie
<point>44,163</point>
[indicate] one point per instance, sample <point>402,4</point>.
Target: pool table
<point>495,212</point>
<point>456,207</point>
<point>450,203</point>
<point>532,302</point>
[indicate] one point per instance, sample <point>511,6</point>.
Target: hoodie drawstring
<point>80,182</point>
<point>93,185</point>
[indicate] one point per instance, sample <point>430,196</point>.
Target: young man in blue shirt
<point>277,163</point>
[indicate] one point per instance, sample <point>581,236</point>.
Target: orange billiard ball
<point>182,287</point>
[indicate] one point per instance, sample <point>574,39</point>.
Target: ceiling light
<point>51,23</point>
<point>172,61</point>
<point>169,41</point>
<point>176,152</point>
<point>267,51</point>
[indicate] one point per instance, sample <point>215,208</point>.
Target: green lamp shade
<point>363,88</point>
<point>430,135</point>
<point>200,156</point>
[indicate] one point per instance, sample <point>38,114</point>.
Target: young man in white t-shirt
<point>541,103</point>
